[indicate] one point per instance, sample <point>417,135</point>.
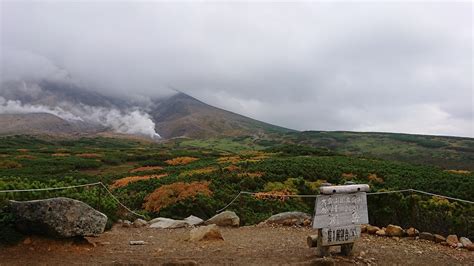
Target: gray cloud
<point>403,67</point>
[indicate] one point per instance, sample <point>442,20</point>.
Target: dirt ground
<point>251,245</point>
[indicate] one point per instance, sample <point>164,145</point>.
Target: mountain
<point>184,116</point>
<point>74,109</point>
<point>42,123</point>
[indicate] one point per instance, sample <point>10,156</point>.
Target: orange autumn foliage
<point>181,160</point>
<point>206,170</point>
<point>60,154</point>
<point>229,159</point>
<point>146,168</point>
<point>251,174</point>
<point>173,193</point>
<point>130,179</point>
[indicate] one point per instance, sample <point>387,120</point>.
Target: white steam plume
<point>132,121</point>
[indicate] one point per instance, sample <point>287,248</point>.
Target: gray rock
<point>193,220</point>
<point>58,217</point>
<point>127,223</point>
<point>210,232</point>
<point>289,218</point>
<point>139,223</point>
<point>226,218</point>
<point>465,241</point>
<point>163,223</point>
<point>427,236</point>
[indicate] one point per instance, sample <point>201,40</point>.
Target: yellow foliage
<point>229,159</point>
<point>374,178</point>
<point>173,193</point>
<point>232,168</point>
<point>251,175</point>
<point>181,160</point>
<point>461,172</point>
<point>130,179</point>
<point>146,168</point>
<point>60,154</point>
<point>277,195</point>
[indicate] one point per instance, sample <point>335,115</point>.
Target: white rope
<point>76,186</point>
<point>370,193</point>
<point>121,204</point>
<point>46,189</point>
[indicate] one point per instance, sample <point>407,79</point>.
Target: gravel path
<point>242,246</point>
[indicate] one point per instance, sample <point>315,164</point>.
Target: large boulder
<point>226,218</point>
<point>209,232</point>
<point>394,230</point>
<point>58,217</point>
<point>289,218</point>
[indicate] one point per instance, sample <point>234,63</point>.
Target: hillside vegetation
<point>182,177</point>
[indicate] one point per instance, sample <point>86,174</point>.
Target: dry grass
<point>374,178</point>
<point>131,179</point>
<point>229,159</point>
<point>26,156</point>
<point>461,172</point>
<point>23,150</point>
<point>251,175</point>
<point>181,160</point>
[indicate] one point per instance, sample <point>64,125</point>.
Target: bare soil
<point>242,246</point>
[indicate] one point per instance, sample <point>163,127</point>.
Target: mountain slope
<point>42,123</point>
<point>184,116</point>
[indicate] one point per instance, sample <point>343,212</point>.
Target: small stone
<point>452,240</point>
<point>180,263</point>
<point>412,232</point>
<point>427,236</point>
<point>439,238</point>
<point>137,242</point>
<point>139,223</point>
<point>465,241</point>
<point>380,232</point>
<point>362,254</point>
<point>469,247</point>
<point>27,241</point>
<point>127,224</point>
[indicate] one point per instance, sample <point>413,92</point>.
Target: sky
<point>395,66</point>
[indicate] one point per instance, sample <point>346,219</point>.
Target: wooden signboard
<point>337,210</point>
<point>340,235</point>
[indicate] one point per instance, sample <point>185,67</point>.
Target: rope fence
<point>100,184</point>
<point>369,193</point>
<point>232,201</point>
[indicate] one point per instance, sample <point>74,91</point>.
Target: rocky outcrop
<point>193,220</point>
<point>209,232</point>
<point>290,218</point>
<point>226,218</point>
<point>58,217</point>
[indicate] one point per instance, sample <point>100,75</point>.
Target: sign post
<point>339,212</point>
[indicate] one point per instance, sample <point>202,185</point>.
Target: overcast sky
<point>393,66</point>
